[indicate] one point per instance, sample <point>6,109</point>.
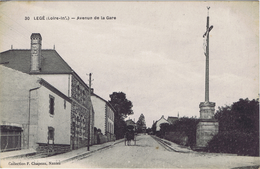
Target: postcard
<point>120,84</point>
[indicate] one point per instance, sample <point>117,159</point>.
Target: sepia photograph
<point>129,84</point>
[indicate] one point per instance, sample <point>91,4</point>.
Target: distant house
<point>130,122</point>
<point>34,114</point>
<point>104,116</point>
<point>49,65</point>
<point>172,120</point>
<point>159,122</point>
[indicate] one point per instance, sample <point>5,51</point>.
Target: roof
<point>162,119</point>
<point>20,59</point>
<point>130,122</point>
<point>172,119</point>
<point>54,90</point>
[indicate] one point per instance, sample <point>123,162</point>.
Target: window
<point>64,104</point>
<point>51,105</point>
<point>50,133</point>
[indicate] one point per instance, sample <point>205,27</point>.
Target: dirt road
<point>147,153</point>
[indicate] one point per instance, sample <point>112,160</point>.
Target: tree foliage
<point>238,128</point>
<point>242,116</point>
<point>123,108</point>
<point>154,127</point>
<point>141,123</point>
<point>183,127</point>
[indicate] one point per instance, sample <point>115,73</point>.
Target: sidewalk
<point>176,147</point>
<point>60,158</point>
<point>18,153</point>
<point>184,149</point>
<point>74,154</point>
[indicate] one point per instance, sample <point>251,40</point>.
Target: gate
<point>10,138</point>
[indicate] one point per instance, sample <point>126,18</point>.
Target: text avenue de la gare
<point>70,18</point>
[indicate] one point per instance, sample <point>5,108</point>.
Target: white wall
<point>110,115</point>
<point>60,121</point>
<point>14,95</point>
<point>14,100</point>
<point>99,108</point>
<point>162,120</point>
<point>60,82</point>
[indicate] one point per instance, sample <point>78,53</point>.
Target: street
<point>147,153</point>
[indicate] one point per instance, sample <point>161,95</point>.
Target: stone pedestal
<point>208,126</point>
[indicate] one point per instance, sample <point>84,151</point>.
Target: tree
<point>123,108</point>
<point>188,126</point>
<point>238,128</point>
<point>164,127</point>
<point>141,124</point>
<point>154,127</point>
<point>242,115</point>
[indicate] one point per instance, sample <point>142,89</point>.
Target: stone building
<point>34,114</point>
<point>104,116</point>
<point>49,65</point>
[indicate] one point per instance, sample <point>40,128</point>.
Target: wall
<point>110,120</point>
<point>80,113</point>
<point>99,108</point>
<point>60,121</point>
<point>62,82</point>
<point>162,120</point>
<point>14,100</point>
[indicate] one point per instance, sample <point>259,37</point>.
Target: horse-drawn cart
<point>130,135</point>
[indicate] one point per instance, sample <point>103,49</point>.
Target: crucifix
<point>206,35</point>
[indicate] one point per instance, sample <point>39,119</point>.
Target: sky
<point>151,51</point>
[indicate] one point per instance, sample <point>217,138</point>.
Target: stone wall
<point>80,115</point>
<point>206,129</point>
<point>51,149</point>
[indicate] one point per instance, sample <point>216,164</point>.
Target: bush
<point>235,142</point>
<point>177,137</point>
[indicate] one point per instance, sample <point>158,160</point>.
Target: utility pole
<point>90,110</point>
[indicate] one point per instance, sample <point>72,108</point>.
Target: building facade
<point>104,116</point>
<point>34,114</point>
<point>49,65</point>
<point>159,122</point>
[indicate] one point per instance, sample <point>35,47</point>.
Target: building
<point>130,122</point>
<point>34,114</point>
<point>49,65</point>
<point>104,116</point>
<point>159,122</point>
<point>172,120</point>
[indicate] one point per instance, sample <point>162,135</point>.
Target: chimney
<point>36,44</point>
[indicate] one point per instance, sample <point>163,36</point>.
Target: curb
<point>164,142</point>
<point>19,156</point>
<point>192,150</point>
<point>90,152</point>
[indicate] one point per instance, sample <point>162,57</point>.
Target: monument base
<point>206,129</point>
<point>207,126</point>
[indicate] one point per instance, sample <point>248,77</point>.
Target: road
<point>147,153</point>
